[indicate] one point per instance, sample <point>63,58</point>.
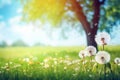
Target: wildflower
<point>75,61</point>
<point>102,38</point>
<point>68,62</point>
<point>54,59</point>
<point>82,54</point>
<point>34,58</point>
<point>84,62</point>
<point>102,57</point>
<point>26,59</point>
<point>74,74</point>
<point>46,66</point>
<point>91,50</point>
<point>93,60</point>
<point>10,62</point>
<point>77,69</point>
<point>30,62</point>
<point>90,75</point>
<point>65,68</point>
<point>117,60</point>
<point>17,65</point>
<point>6,64</point>
<point>55,62</point>
<point>41,64</point>
<point>46,60</point>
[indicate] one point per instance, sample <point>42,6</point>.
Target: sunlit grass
<point>53,63</point>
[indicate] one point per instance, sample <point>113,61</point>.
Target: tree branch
<point>80,15</point>
<point>96,16</point>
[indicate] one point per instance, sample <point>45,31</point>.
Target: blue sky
<point>11,29</point>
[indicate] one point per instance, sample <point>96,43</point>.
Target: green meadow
<point>55,63</point>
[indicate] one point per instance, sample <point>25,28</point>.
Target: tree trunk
<point>90,30</point>
<point>91,40</point>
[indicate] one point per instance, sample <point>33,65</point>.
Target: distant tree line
<point>19,43</point>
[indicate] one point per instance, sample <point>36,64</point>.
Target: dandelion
<point>82,54</point>
<point>91,50</point>
<point>102,38</point>
<point>102,57</point>
<point>117,60</point>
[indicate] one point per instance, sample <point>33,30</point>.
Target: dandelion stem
<point>105,71</point>
<point>84,63</point>
<point>103,46</point>
<point>91,63</point>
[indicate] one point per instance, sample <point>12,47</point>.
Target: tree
<point>92,14</point>
<point>39,44</point>
<point>3,44</point>
<point>19,43</point>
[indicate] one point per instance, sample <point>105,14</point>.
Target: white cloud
<point>27,32</point>
<point>15,20</point>
<point>19,10</point>
<point>31,33</point>
<point>2,25</point>
<point>5,2</point>
<point>1,17</point>
<point>1,37</point>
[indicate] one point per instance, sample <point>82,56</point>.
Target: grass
<point>54,63</point>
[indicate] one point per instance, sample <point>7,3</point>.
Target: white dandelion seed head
<point>117,60</point>
<point>102,57</point>
<point>91,50</point>
<point>82,53</point>
<point>102,38</point>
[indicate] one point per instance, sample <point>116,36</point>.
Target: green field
<point>54,63</point>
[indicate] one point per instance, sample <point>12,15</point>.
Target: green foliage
<point>55,10</point>
<point>3,44</point>
<point>54,63</point>
<point>19,43</point>
<point>51,10</point>
<point>110,15</point>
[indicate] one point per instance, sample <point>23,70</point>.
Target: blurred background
<point>16,32</point>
